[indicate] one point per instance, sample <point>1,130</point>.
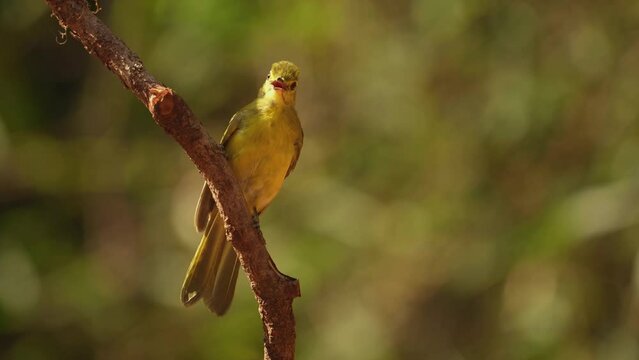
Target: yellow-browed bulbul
<point>262,142</point>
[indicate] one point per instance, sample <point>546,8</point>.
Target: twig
<point>274,292</point>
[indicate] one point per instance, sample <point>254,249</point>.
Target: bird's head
<point>281,83</point>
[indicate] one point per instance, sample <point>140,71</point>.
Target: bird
<point>262,142</point>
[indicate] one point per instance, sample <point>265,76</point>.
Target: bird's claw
<point>256,221</point>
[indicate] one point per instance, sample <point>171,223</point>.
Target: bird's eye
<point>268,76</point>
<point>293,85</point>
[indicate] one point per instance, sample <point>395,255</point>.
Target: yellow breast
<point>260,153</point>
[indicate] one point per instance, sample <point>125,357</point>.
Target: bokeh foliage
<point>468,187</point>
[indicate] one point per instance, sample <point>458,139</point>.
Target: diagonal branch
<point>274,292</point>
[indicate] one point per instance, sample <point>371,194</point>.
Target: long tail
<point>213,272</point>
<point>220,299</point>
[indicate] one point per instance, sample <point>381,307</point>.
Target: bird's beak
<point>278,85</point>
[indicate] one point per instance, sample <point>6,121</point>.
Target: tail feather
<point>202,270</point>
<point>205,209</point>
<point>219,300</point>
<point>212,274</point>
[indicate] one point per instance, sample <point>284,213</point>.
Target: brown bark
<point>274,292</point>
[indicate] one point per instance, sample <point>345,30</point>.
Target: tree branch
<point>274,292</point>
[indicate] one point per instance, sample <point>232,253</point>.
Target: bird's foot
<point>256,221</point>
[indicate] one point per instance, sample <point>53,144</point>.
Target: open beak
<point>278,85</point>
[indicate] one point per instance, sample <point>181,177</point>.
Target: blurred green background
<point>468,187</point>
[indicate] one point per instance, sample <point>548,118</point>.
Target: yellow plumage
<point>262,143</point>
